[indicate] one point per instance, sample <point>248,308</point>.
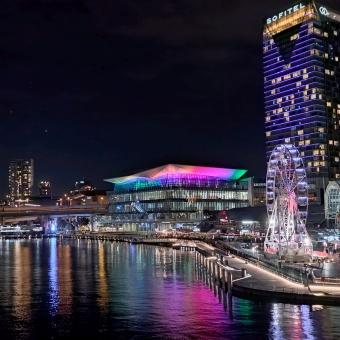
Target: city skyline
<point>103,90</point>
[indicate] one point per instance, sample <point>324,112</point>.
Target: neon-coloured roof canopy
<point>226,174</point>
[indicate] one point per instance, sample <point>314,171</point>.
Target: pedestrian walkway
<point>261,279</point>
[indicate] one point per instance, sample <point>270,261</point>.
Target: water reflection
<point>53,278</point>
<point>90,289</point>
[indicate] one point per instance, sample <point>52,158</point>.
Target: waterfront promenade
<point>261,282</point>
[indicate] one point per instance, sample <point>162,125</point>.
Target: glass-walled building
<point>174,196</point>
<point>302,88</point>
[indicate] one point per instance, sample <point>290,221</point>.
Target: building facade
<point>44,189</point>
<point>174,196</point>
<point>20,179</point>
<point>301,51</point>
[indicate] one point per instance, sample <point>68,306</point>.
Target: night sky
<point>97,89</point>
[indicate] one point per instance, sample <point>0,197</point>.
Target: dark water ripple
<point>51,289</point>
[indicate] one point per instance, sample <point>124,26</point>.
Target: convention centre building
<point>179,196</point>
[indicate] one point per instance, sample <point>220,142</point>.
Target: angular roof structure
<point>226,174</point>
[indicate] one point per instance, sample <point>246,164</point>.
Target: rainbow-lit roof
<point>226,174</point>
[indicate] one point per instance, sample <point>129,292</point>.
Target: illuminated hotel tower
<point>301,88</point>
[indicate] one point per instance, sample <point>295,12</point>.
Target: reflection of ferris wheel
<point>287,204</point>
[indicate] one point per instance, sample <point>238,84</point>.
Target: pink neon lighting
<point>222,173</point>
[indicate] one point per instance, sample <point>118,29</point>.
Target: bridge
<point>31,213</point>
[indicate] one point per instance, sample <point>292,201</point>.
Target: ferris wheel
<point>287,206</point>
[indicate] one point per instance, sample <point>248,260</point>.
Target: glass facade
<point>301,51</point>
<point>174,198</point>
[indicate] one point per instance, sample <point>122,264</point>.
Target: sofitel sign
<point>285,13</point>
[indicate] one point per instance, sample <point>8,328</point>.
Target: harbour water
<point>87,289</point>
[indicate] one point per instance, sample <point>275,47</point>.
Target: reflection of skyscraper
<point>44,189</point>
<point>20,178</point>
<point>301,88</point>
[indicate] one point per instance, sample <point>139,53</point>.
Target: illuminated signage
<point>323,11</point>
<point>285,13</point>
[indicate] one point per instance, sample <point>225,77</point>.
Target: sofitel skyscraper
<point>20,178</point>
<point>301,51</point>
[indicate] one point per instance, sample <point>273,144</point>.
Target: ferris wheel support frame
<point>287,205</point>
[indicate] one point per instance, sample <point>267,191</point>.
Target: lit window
<point>287,140</point>
<point>332,73</point>
<point>286,114</point>
<point>336,58</point>
<point>267,119</point>
<point>325,34</point>
<point>301,142</point>
<point>272,92</point>
<point>315,152</point>
<point>335,32</point>
<point>305,93</point>
<point>295,36</point>
<point>329,104</point>
<point>307,141</point>
<point>336,159</point>
<point>273,81</point>
<point>298,83</point>
<point>287,76</point>
<point>313,96</point>
<point>305,70</point>
<point>302,153</point>
<point>305,76</point>
<point>330,142</point>
<point>336,143</point>
<point>300,132</point>
<point>309,163</point>
<point>326,55</point>
<point>326,71</point>
<point>268,134</point>
<point>287,119</point>
<point>279,100</point>
<point>322,147</point>
<point>320,96</point>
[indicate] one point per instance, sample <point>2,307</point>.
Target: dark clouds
<point>127,85</point>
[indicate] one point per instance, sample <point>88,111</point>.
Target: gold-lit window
<point>307,141</point>
<point>325,34</point>
<point>305,76</point>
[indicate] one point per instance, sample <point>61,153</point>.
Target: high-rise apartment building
<point>44,189</point>
<point>301,52</point>
<point>20,178</point>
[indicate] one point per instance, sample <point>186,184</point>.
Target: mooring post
<point>230,282</point>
